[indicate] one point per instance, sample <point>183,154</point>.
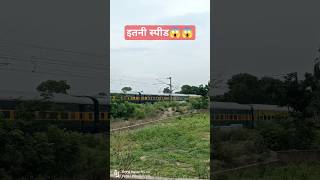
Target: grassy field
<point>176,148</point>
<point>302,171</point>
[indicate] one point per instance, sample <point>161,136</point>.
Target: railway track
<point>150,122</point>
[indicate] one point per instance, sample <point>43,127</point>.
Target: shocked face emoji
<point>187,33</point>
<point>174,33</point>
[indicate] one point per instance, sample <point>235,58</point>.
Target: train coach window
<point>42,115</point>
<point>102,116</point>
<point>90,116</point>
<point>64,116</point>
<point>53,115</point>
<point>72,115</point>
<point>235,117</point>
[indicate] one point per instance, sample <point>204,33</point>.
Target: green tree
<point>202,90</point>
<point>126,89</point>
<point>47,88</point>
<point>166,90</point>
<point>243,88</point>
<point>187,89</point>
<point>271,91</point>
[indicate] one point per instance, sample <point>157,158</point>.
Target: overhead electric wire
<point>132,81</point>
<point>98,55</point>
<point>89,64</point>
<point>63,60</point>
<point>48,73</point>
<point>16,58</point>
<point>35,69</point>
<point>57,70</point>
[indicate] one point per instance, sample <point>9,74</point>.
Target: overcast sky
<point>264,38</point>
<point>139,64</point>
<point>53,39</point>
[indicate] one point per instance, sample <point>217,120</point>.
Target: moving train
<point>230,113</point>
<point>63,107</point>
<point>137,97</point>
<point>66,107</point>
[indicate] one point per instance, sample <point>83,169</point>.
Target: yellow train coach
<point>58,107</point>
<point>231,113</point>
<point>137,97</point>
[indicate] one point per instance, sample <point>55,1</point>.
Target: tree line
<point>300,95</point>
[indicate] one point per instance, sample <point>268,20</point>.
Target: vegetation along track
<point>133,126</point>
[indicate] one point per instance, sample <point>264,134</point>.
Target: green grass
<point>301,171</point>
<point>176,148</point>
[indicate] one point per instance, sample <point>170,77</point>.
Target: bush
<point>201,103</point>
<point>285,134</point>
<point>52,154</point>
<point>237,147</point>
<point>126,110</point>
<point>122,109</point>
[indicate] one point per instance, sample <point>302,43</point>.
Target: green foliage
<point>201,170</point>
<point>176,148</point>
<point>298,171</point>
<point>126,89</point>
<point>199,103</point>
<point>121,151</point>
<point>166,90</point>
<point>48,87</point>
<point>52,154</point>
<point>302,96</point>
<point>202,90</point>
<point>292,133</point>
<point>238,147</point>
<point>122,109</point>
<point>125,110</point>
<point>246,88</point>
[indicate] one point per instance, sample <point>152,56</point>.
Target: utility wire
<point>98,55</point>
<point>16,58</point>
<point>48,73</point>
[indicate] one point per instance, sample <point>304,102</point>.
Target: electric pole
<point>170,85</point>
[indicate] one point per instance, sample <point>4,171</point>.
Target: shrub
<point>201,103</point>
<point>52,154</point>
<point>122,109</point>
<point>125,110</point>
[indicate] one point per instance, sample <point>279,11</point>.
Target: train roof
<point>154,94</point>
<point>229,105</point>
<point>57,98</point>
<point>237,106</point>
<point>269,107</point>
